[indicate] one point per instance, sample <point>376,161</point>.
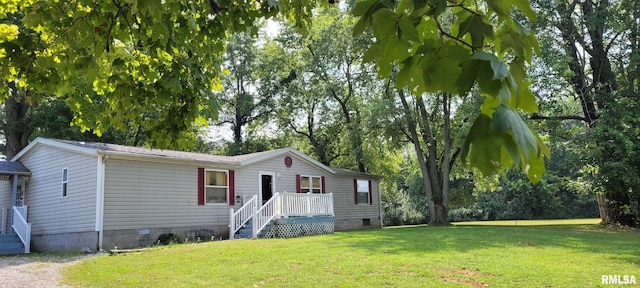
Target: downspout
<point>100,198</point>
<point>380,205</point>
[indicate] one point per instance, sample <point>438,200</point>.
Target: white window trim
<point>310,187</point>
<point>368,189</point>
<point>226,172</point>
<point>63,193</point>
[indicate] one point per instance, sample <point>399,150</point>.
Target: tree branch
<point>537,116</point>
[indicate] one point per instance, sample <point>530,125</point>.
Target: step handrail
<point>22,227</point>
<point>238,218</point>
<point>266,213</point>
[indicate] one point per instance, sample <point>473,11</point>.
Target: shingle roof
<point>94,148</point>
<point>13,168</point>
<point>169,154</point>
<point>353,173</point>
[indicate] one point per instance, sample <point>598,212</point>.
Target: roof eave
<point>44,141</point>
<point>283,151</point>
<point>159,158</point>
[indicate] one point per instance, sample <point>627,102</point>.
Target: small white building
<point>81,194</point>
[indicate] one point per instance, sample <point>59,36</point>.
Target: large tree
<point>244,100</point>
<point>443,48</point>
<point>160,58</point>
<point>595,47</point>
<point>325,102</point>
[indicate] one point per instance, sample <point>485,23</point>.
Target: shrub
<point>168,239</point>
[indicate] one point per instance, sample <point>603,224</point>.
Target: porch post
<point>14,199</point>
<point>3,229</point>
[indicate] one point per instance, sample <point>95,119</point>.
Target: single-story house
<point>76,195</point>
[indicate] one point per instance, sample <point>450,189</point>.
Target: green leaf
<point>525,8</point>
<point>505,120</point>
<point>372,53</point>
<point>408,27</point>
<point>437,7</point>
<point>500,70</point>
<point>468,76</point>
<point>365,10</point>
<point>493,143</point>
<point>407,72</point>
<point>363,7</point>
<point>384,24</point>
<point>481,149</point>
<point>441,68</point>
<point>525,99</point>
<point>477,26</point>
<point>535,168</point>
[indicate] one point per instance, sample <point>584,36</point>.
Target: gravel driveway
<point>34,271</point>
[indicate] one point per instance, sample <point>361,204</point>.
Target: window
<point>363,189</point>
<point>216,187</point>
<point>65,181</point>
<point>311,184</point>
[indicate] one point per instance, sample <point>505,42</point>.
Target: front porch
<point>284,215</point>
<point>15,231</point>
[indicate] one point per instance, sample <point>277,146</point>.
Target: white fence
<point>281,205</point>
<point>20,225</point>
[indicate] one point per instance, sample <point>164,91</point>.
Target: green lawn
<point>533,222</point>
<point>457,256</point>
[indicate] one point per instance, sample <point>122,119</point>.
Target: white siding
<point>49,213</point>
<point>6,191</point>
<point>248,177</point>
<point>341,186</point>
<point>141,195</point>
<point>344,200</point>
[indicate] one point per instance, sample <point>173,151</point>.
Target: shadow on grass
<point>618,244</point>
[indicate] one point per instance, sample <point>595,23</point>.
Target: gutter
<point>100,177</point>
<point>380,205</point>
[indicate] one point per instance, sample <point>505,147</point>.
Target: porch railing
<point>283,205</point>
<point>265,214</point>
<point>20,225</point>
<point>242,216</point>
<point>305,205</point>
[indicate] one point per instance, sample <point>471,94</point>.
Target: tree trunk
<point>17,123</point>
<point>411,125</point>
<point>446,156</point>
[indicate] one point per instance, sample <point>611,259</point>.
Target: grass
<point>588,221</point>
<point>454,256</point>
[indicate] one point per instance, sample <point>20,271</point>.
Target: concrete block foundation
<point>64,242</point>
<point>134,238</point>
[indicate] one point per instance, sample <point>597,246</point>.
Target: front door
<point>266,186</point>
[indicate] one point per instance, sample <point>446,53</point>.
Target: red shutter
<point>232,187</point>
<point>355,191</point>
<point>323,185</point>
<point>370,193</point>
<point>298,183</point>
<point>200,186</point>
